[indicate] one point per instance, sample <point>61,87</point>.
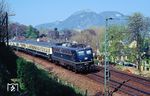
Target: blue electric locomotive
<point>77,57</point>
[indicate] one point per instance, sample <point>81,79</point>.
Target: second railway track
<point>136,86</point>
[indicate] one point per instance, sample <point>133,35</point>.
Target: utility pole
<point>16,31</point>
<point>7,35</point>
<point>106,66</point>
<point>16,37</point>
<point>4,35</point>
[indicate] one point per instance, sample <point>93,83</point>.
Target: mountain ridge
<point>82,19</point>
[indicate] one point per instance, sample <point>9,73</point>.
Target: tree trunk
<point>139,64</point>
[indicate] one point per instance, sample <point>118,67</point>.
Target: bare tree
<point>3,21</point>
<point>3,7</point>
<point>92,37</point>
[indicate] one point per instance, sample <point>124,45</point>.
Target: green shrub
<point>4,79</point>
<point>39,83</point>
<point>119,67</point>
<point>8,59</point>
<point>7,68</point>
<point>96,61</point>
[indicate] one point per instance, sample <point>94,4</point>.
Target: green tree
<point>32,32</point>
<point>138,27</point>
<point>116,37</point>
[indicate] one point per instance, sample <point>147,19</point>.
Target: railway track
<point>142,80</point>
<point>136,86</point>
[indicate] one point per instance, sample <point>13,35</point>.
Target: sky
<point>34,12</point>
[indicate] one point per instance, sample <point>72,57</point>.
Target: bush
<point>37,82</point>
<point>4,79</point>
<point>96,61</point>
<point>8,59</point>
<point>7,68</point>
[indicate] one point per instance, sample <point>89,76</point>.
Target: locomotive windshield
<point>88,52</point>
<point>81,53</point>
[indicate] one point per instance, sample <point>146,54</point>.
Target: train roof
<point>44,44</point>
<point>68,45</point>
<point>72,46</point>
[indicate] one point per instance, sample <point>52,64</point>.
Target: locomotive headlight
<point>85,58</point>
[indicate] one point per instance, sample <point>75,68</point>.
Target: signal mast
<point>106,65</point>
